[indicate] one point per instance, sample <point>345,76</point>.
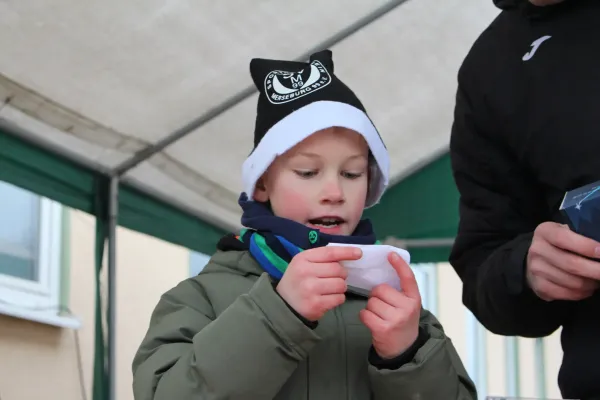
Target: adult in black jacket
<point>527,129</point>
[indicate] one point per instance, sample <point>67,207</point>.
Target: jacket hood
<point>236,260</point>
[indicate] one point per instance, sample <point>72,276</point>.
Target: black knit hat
<point>297,99</point>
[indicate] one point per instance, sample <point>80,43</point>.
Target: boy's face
<point>321,182</point>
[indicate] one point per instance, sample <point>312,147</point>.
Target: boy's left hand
<point>392,315</point>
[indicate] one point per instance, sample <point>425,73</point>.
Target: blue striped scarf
<point>273,241</point>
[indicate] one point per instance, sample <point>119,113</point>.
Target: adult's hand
<point>559,265</point>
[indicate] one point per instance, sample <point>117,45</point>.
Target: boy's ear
<point>260,192</point>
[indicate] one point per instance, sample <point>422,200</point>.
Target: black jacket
<point>526,130</point>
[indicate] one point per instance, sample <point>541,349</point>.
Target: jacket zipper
<point>339,320</point>
<point>307,378</point>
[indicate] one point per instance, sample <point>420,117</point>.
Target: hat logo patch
<point>285,86</point>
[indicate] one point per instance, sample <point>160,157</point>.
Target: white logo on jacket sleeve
<point>285,86</point>
<point>535,46</point>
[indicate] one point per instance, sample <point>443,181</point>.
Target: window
<point>30,253</point>
<point>477,361</point>
<point>426,276</point>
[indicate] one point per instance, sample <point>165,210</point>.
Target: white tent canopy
<point>107,79</point>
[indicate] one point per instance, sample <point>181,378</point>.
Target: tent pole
<point>113,210</point>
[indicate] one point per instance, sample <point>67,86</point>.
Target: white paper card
<point>373,268</point>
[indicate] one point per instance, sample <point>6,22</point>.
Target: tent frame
<point>149,151</point>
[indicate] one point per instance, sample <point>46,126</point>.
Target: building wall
<point>38,359</point>
<point>41,361</point>
<point>497,364</point>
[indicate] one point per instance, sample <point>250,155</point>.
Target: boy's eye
<point>352,175</point>
<point>305,173</point>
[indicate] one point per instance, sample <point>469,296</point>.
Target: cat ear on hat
<point>259,68</point>
<point>325,57</point>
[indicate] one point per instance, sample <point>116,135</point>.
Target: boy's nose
<point>333,193</point>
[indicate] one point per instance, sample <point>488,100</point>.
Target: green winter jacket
<point>226,334</point>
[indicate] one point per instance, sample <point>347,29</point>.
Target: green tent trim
<point>81,188</point>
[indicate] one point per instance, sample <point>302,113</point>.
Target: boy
<point>271,317</point>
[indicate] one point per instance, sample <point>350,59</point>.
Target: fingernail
<point>597,252</point>
<point>395,256</point>
<point>357,252</point>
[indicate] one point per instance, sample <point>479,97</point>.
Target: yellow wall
<point>40,362</point>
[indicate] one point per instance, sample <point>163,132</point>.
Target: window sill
<point>42,317</point>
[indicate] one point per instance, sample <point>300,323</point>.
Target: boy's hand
<point>315,282</point>
<point>393,316</point>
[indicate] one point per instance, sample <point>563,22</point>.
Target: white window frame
<point>426,276</point>
<point>39,300</point>
<point>477,357</point>
<point>44,291</point>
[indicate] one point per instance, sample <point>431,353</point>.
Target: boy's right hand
<point>315,282</point>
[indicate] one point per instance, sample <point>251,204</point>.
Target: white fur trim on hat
<point>307,120</point>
